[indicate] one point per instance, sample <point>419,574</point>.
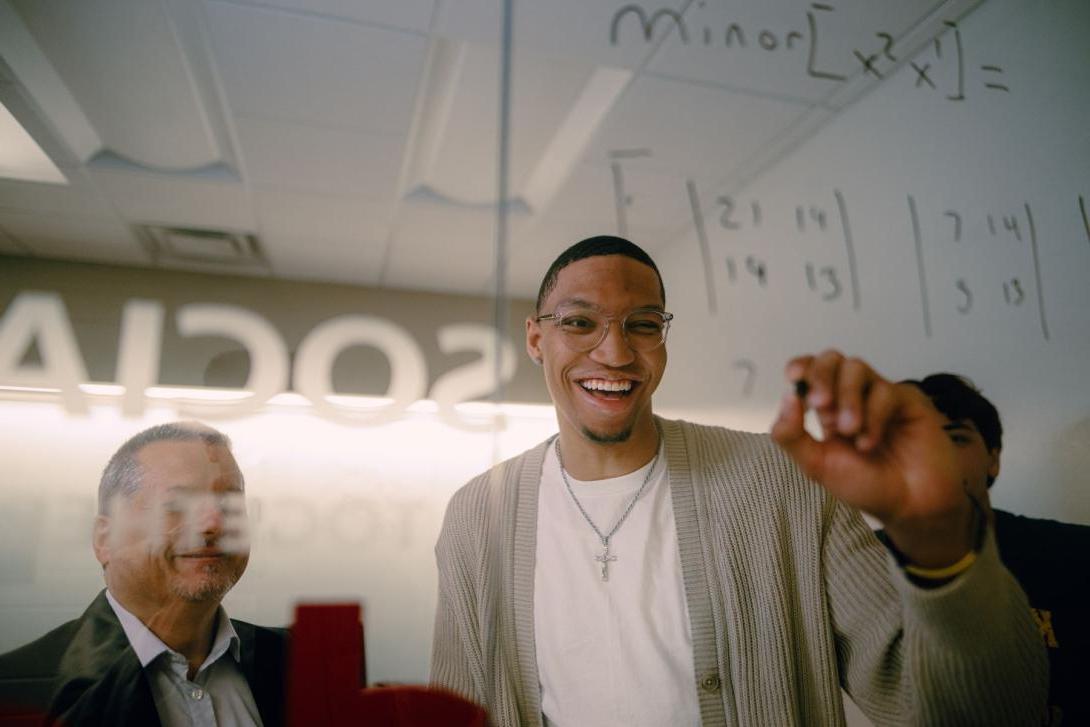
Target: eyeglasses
<point>583,329</point>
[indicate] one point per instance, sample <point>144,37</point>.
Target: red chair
<point>326,670</point>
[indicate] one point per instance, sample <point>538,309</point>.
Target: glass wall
<point>319,226</point>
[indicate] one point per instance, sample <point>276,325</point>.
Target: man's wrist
<point>939,550</point>
<point>942,574</point>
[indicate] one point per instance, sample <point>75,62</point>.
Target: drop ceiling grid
<point>539,246</point>
<point>640,119</point>
<point>690,129</point>
<point>317,219</point>
<point>322,131</point>
<point>122,62</point>
<point>316,257</point>
<point>321,95</point>
<point>562,28</point>
<point>715,131</point>
<point>414,15</point>
<point>544,88</point>
<point>184,201</point>
<point>586,206</point>
<point>291,156</point>
<point>442,245</point>
<point>314,70</point>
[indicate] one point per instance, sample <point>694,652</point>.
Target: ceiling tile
<point>441,247</point>
<point>586,195</point>
<point>78,197</point>
<point>316,70</point>
<point>303,216</point>
<point>124,63</point>
<point>718,130</point>
<point>464,167</point>
<point>74,237</point>
<point>570,29</point>
<point>658,210</point>
<point>655,202</point>
<point>535,249</point>
<point>310,258</point>
<point>293,156</point>
<point>181,200</point>
<point>404,14</point>
<point>651,224</point>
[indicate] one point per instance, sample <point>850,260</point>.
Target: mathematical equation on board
<point>1015,227</point>
<point>1022,287</point>
<point>943,68</point>
<point>957,286</point>
<point>828,282</point>
<point>825,281</point>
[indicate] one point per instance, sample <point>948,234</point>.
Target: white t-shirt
<point>616,652</point>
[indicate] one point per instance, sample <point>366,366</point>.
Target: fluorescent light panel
<point>20,156</point>
<point>287,399</point>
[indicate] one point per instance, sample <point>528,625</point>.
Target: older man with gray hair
<point>156,647</point>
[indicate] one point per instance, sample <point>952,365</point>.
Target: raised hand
<point>884,451</point>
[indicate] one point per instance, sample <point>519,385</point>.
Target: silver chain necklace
<point>605,558</point>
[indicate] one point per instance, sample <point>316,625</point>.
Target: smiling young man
<point>1050,559</point>
<point>640,571</point>
<point>156,647</point>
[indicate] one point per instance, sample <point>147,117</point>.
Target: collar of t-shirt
<point>148,646</point>
<point>613,486</point>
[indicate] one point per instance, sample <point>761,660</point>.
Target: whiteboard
<point>936,224</point>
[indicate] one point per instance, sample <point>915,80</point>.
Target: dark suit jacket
<point>85,674</point>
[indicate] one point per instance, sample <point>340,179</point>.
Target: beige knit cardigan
<point>790,596</point>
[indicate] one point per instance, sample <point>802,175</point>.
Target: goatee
<point>614,438</point>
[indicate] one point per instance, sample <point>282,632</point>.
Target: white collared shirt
<point>218,696</point>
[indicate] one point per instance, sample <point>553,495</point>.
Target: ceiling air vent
<point>202,249</point>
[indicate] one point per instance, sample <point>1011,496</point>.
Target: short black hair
<point>959,399</point>
<point>593,247</point>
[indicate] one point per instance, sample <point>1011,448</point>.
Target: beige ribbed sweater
<point>789,595</point>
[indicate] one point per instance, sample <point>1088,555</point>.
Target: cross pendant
<point>605,558</point>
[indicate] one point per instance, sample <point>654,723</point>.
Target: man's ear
<point>100,539</point>
<point>533,340</point>
<point>993,465</point>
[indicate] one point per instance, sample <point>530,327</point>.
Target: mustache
<point>198,545</point>
<point>202,553</point>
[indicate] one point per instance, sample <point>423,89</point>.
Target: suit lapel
<point>100,680</point>
<point>261,659</point>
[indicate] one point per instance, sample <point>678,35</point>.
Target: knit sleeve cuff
<point>968,607</point>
